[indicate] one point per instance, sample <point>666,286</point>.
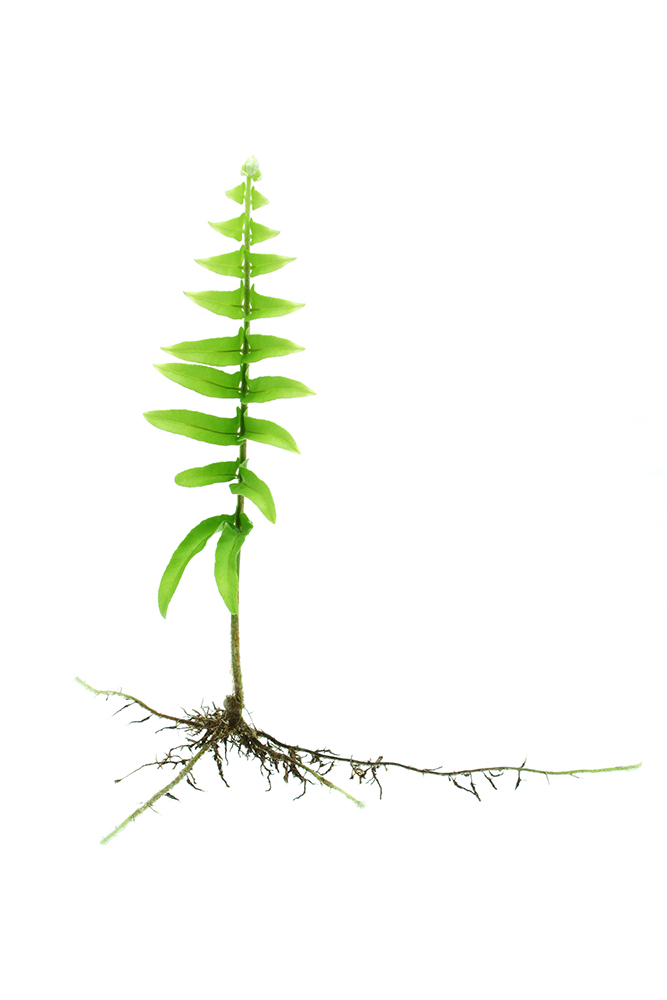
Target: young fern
<point>216,730</point>
<point>203,375</point>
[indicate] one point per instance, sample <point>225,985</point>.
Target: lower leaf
<point>193,543</point>
<point>227,553</point>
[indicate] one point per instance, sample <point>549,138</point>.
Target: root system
<point>217,730</point>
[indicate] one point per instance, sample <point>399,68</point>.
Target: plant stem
<point>236,662</point>
<point>235,636</point>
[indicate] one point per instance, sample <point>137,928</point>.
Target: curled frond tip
<point>251,167</point>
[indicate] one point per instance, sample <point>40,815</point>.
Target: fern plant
<point>202,375</point>
<point>214,730</point>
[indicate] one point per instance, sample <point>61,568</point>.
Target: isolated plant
<point>213,729</point>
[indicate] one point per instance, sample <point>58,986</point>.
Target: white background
<point>468,563</point>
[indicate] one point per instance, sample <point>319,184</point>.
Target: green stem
<point>235,635</point>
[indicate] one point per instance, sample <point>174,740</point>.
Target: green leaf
<point>262,347</point>
<point>265,306</point>
<point>227,553</point>
<point>220,351</point>
<point>264,263</point>
<point>255,489</point>
<point>260,233</point>
<point>222,303</point>
<point>207,381</point>
<point>258,200</point>
<point>231,227</point>
<point>193,543</point>
<point>266,432</point>
<point>205,475</point>
<point>200,426</point>
<point>230,264</point>
<point>261,390</point>
<point>237,194</point>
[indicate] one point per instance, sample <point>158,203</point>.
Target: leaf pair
<point>249,485</point>
<point>231,304</point>
<point>226,558</point>
<point>211,382</point>
<point>226,351</point>
<point>234,229</point>
<point>231,264</point>
<point>221,430</point>
<point>237,194</point>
